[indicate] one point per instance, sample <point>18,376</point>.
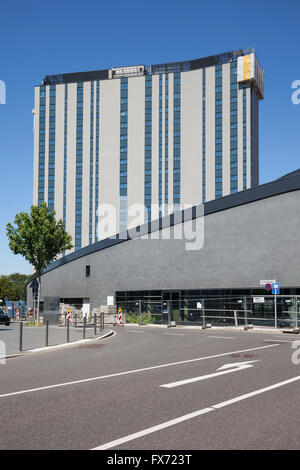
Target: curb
<point>59,346</point>
<point>213,328</point>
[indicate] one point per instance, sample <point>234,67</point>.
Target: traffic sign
<point>275,288</point>
<point>267,281</point>
<point>268,286</point>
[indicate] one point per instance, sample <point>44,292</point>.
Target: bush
<point>135,318</point>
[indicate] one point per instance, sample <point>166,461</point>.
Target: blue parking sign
<point>275,288</point>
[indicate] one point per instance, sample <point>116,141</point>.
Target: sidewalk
<point>35,336</point>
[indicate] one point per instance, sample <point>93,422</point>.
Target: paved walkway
<point>35,336</point>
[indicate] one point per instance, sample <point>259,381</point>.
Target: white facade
<point>101,153</point>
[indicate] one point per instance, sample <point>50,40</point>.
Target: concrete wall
<point>243,244</point>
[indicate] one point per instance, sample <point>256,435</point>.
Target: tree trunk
<point>39,300</point>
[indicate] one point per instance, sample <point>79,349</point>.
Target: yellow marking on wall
<point>247,67</point>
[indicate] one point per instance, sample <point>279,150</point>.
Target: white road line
<point>277,341</point>
<point>173,334</point>
<point>221,337</point>
<point>118,374</point>
<point>135,331</point>
<point>186,417</point>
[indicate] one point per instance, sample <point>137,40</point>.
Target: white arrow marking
<point>233,367</point>
<point>236,364</point>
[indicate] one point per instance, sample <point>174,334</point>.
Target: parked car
<point>4,318</point>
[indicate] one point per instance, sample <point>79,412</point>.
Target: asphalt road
<point>109,394</point>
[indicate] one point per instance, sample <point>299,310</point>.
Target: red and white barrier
<point>69,315</point>
<point>120,316</point>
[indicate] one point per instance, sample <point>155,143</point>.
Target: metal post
<point>169,313</point>
<point>47,333</point>
<point>203,314</point>
<point>21,337</point>
<point>245,310</point>
<point>84,326</point>
<point>68,331</point>
<point>140,311</point>
<point>101,321</point>
<point>95,324</point>
<point>235,318</point>
<point>296,302</point>
<point>275,300</point>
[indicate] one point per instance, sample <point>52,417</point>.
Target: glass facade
<point>160,145</point>
<point>91,209</point>
<point>51,154</point>
<point>233,127</point>
<point>204,136</point>
<point>218,131</point>
<point>78,187</point>
<point>123,153</point>
<point>218,306</point>
<point>176,140</point>
<point>65,157</point>
<point>166,142</point>
<point>244,137</point>
<point>42,145</point>
<point>97,157</point>
<point>148,148</point>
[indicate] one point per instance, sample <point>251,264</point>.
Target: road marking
<point>135,331</point>
<point>221,337</point>
<point>229,368</point>
<point>118,374</point>
<point>186,417</point>
<point>173,334</point>
<point>277,341</point>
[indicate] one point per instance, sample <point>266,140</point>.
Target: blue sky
<point>39,38</point>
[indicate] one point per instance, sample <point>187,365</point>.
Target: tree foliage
<point>13,287</point>
<point>38,237</point>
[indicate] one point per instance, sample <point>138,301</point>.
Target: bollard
<point>75,320</point>
<point>68,331</point>
<point>95,324</point>
<point>21,337</point>
<point>47,333</point>
<point>84,326</point>
<point>236,319</point>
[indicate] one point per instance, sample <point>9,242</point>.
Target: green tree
<point>39,238</point>
<point>13,286</point>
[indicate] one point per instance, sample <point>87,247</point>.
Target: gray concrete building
<point>165,137</point>
<point>222,248</point>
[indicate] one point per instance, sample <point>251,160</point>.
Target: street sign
<point>268,286</point>
<point>110,300</point>
<point>275,288</point>
<point>267,281</point>
<point>258,300</point>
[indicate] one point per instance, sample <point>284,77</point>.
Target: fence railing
<point>284,311</point>
<point>61,332</point>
